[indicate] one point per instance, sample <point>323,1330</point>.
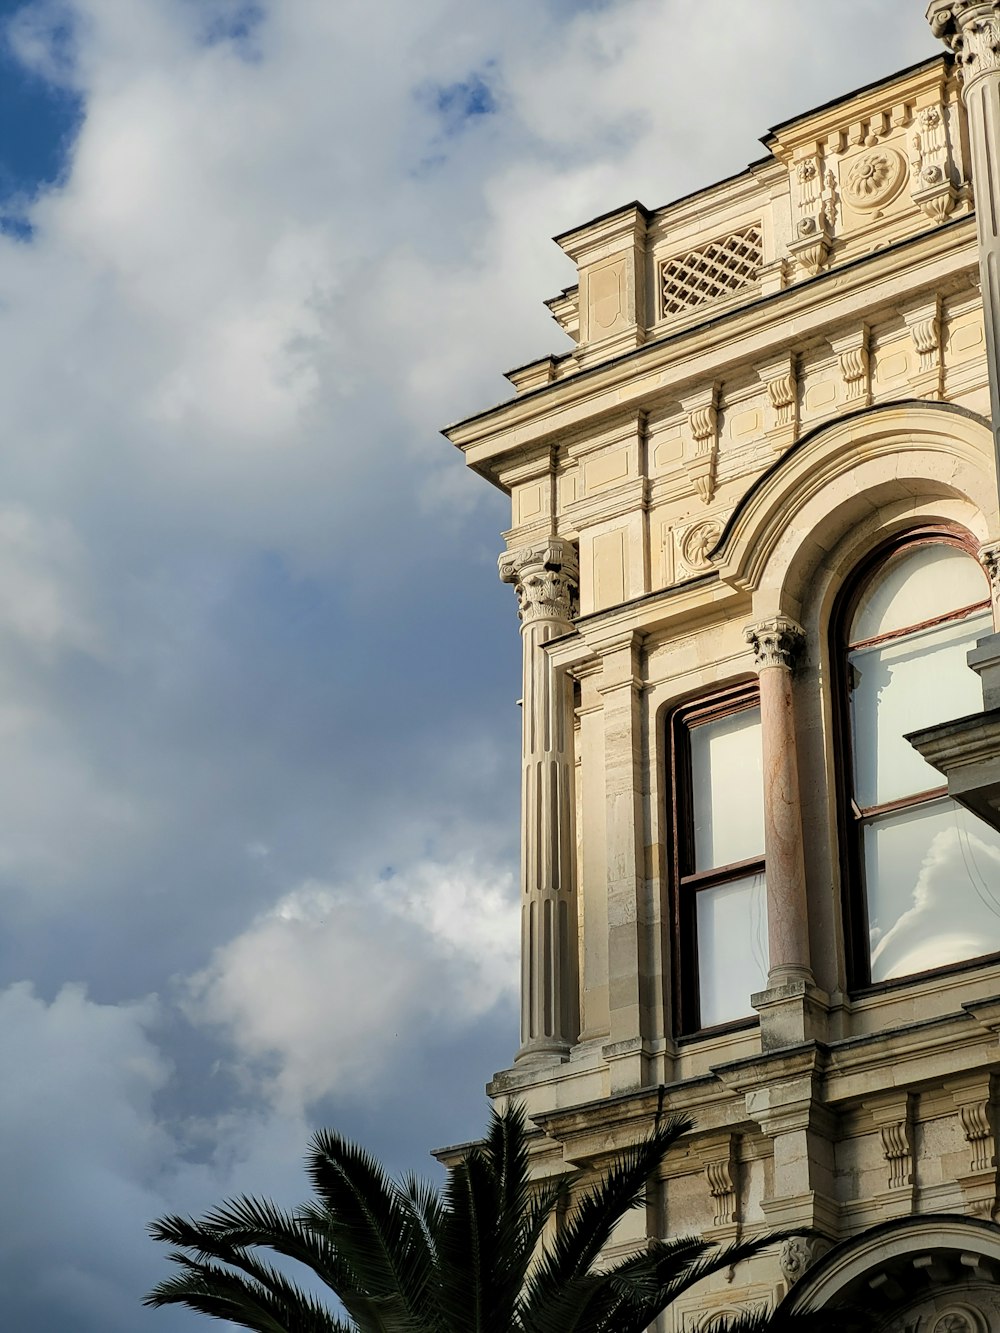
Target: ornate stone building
<point>755,542</point>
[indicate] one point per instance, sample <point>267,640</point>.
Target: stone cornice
<point>710,350</point>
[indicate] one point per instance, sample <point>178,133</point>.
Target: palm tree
<point>482,1256</point>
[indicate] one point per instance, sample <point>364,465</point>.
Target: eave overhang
<point>799,314</point>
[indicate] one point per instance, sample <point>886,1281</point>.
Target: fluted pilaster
<point>545,576</point>
<point>971,30</point>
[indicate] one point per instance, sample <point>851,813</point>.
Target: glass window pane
<point>732,949</point>
<point>727,790</point>
<point>919,584</point>
<point>901,686</point>
<point>933,888</point>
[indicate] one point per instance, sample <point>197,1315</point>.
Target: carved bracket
<point>894,1121</point>
<point>973,1100</point>
<point>931,184</point>
<point>924,323</point>
<point>816,196</point>
<point>780,377</point>
<point>853,351</point>
<point>719,1161</point>
<point>897,1148</point>
<point>702,411</point>
<point>978,1131</point>
<point>798,1254</point>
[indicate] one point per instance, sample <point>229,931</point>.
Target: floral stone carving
<point>874,178</point>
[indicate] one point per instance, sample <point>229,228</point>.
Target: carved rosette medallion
<point>697,542</point>
<point>954,1321</point>
<point>546,579</point>
<point>874,178</point>
<point>971,29</point>
<point>778,642</point>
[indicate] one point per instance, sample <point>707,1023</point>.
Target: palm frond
<point>594,1218</point>
<point>266,1303</point>
<point>369,1222</point>
<point>248,1222</point>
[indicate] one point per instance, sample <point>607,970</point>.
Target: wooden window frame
<point>685,881</point>
<point>851,817</point>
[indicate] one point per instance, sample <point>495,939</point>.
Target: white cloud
<point>329,985</point>
<point>248,618</point>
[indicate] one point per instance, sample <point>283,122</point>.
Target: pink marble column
<point>777,644</point>
<point>545,578</point>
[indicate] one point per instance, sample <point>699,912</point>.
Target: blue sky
<point>258,733</point>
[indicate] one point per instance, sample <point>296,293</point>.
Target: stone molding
<point>546,579</point>
<point>777,642</point>
<point>971,30</point>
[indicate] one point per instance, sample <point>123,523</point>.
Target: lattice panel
<point>718,269</point>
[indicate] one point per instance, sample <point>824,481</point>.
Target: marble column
<point>545,576</point>
<point>777,645</point>
<point>971,29</point>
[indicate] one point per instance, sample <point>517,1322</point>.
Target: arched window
<point>924,874</point>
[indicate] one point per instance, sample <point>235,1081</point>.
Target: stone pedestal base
<point>791,1012</point>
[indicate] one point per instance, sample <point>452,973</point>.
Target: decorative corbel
<point>702,410</point>
<point>798,1254</point>
<point>853,352</point>
<point>924,323</point>
<point>780,377</point>
<point>931,187</point>
<point>897,1148</point>
<point>719,1163</point>
<point>973,1098</point>
<point>815,191</point>
<point>894,1122</point>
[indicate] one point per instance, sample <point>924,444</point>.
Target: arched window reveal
<point>926,873</point>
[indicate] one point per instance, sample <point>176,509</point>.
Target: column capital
<point>776,642</point>
<point>546,579</point>
<point>989,558</point>
<point>971,30</point>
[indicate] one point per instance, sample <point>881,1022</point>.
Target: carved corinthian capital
<point>971,29</point>
<point>777,642</point>
<point>546,579</point>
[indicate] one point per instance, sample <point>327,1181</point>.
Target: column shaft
<point>777,644</point>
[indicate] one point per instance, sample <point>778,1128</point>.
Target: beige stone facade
<point>779,393</point>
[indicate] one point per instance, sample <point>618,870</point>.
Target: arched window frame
<point>850,818</point>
